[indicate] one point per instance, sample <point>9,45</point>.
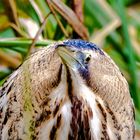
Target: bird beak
<point>68,57</point>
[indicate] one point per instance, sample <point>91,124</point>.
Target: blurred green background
<point>112,24</point>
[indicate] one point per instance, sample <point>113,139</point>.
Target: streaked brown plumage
<point>70,90</point>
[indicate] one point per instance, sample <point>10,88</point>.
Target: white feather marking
<point>110,133</point>
<point>65,124</point>
<point>81,90</point>
<point>89,97</point>
<point>3,100</point>
<point>45,130</point>
<point>60,93</point>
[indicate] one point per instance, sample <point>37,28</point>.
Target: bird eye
<point>87,58</point>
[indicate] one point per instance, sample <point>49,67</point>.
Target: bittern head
<point>85,58</point>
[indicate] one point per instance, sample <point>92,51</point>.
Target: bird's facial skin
<point>75,59</point>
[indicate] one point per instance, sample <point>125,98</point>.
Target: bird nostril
<point>72,51</point>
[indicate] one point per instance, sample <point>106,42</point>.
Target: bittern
<point>69,90</point>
